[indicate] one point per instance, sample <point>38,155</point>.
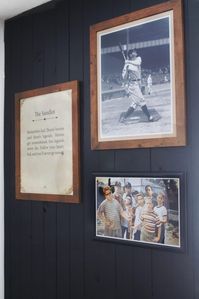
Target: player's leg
<point>131,109</point>
<point>142,103</point>
<point>146,112</point>
<point>125,115</point>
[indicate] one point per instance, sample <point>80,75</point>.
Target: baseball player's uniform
<point>131,73</point>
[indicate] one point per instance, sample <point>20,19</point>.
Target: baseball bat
<point>122,51</point>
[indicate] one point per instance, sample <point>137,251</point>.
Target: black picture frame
<point>171,185</point>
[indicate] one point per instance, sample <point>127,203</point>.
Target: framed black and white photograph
<point>137,79</point>
<point>140,209</point>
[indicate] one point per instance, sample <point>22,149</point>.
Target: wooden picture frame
<point>47,144</point>
<point>137,79</point>
<point>154,205</point>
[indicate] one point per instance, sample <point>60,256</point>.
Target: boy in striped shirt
<point>110,213</point>
<point>150,223</point>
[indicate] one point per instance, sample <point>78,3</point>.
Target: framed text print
<point>47,144</point>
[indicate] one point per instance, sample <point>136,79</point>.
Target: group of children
<point>133,215</point>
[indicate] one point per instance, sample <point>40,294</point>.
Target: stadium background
<point>151,40</point>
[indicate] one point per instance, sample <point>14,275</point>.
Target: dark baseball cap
<point>117,183</point>
<point>128,185</point>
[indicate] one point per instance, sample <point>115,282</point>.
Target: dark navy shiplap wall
<point>50,251</point>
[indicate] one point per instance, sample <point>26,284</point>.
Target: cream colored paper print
<point>46,144</point>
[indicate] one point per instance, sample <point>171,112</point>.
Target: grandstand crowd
<point>115,81</point>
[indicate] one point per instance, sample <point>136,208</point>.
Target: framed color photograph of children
<point>140,209</point>
<point>137,79</point>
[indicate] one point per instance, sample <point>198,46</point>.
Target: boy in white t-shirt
<point>161,211</point>
<point>138,211</point>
